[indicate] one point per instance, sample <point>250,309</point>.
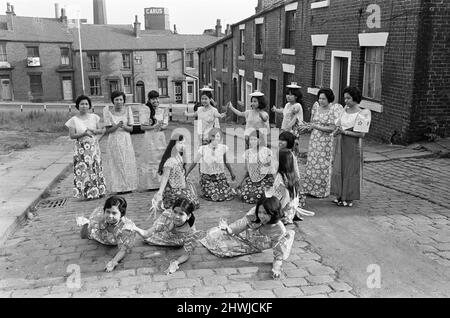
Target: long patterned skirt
<point>346,179</point>
<point>170,195</point>
<point>215,188</point>
<point>318,169</point>
<point>88,178</point>
<point>221,244</point>
<point>253,192</point>
<point>121,163</point>
<point>148,159</point>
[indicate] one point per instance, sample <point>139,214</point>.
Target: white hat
<point>257,94</point>
<point>294,85</point>
<point>206,88</point>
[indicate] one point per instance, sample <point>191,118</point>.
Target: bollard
<point>70,108</point>
<point>45,108</point>
<point>170,113</point>
<point>21,108</point>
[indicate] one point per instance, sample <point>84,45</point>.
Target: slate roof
<point>121,37</point>
<point>31,29</point>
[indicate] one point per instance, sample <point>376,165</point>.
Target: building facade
<point>35,59</point>
<point>396,52</point>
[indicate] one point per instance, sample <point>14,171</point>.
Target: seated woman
<point>109,226</point>
<point>259,174</point>
<point>213,160</point>
<point>173,179</point>
<point>174,227</point>
<point>261,229</point>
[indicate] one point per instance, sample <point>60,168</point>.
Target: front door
<point>179,92</point>
<point>6,89</point>
<point>113,86</point>
<point>67,88</point>
<point>272,99</point>
<point>340,78</point>
<point>140,92</point>
<point>190,92</point>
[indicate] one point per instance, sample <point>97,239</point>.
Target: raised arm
<point>277,110</point>
<point>234,110</point>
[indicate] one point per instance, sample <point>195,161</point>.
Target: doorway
<point>190,92</point>
<point>6,93</point>
<point>248,91</point>
<point>113,86</point>
<point>272,99</point>
<point>67,88</point>
<point>140,92</point>
<point>340,73</point>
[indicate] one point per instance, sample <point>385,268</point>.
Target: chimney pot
<point>57,11</point>
<point>137,27</point>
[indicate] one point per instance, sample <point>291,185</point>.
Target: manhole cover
<point>52,204</point>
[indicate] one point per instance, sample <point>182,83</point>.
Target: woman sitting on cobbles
<point>259,230</point>
<point>109,226</point>
<point>175,228</point>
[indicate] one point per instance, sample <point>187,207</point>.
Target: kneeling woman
<point>213,160</point>
<point>173,181</point>
<point>261,229</point>
<point>174,228</point>
<point>259,176</point>
<point>109,226</point>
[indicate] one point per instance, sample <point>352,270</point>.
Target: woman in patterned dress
<point>109,226</point>
<point>259,174</point>
<point>346,178</point>
<point>120,152</point>
<point>173,176</point>
<point>89,182</point>
<point>154,143</point>
<point>319,166</point>
<point>175,228</point>
<point>261,229</point>
<point>213,160</point>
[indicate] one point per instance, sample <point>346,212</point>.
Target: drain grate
<point>53,204</point>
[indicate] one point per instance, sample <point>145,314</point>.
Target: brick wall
<point>50,57</point>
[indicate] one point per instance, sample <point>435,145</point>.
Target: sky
<point>190,16</point>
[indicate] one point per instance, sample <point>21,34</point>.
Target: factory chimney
<point>100,12</point>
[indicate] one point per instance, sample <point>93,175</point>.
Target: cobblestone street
<point>402,224</point>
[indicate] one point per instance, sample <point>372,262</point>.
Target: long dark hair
<point>187,207</point>
<point>297,93</point>
<point>168,152</point>
<point>118,201</point>
<point>152,95</point>
<point>273,207</point>
<point>286,169</point>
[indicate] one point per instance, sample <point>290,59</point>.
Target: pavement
<point>402,219</point>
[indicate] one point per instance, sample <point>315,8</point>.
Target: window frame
<point>290,30</point>
<point>36,48</point>
<point>161,89</point>
<point>319,61</point>
<point>129,86</point>
<point>242,42</point>
<point>259,31</point>
<point>97,87</point>
<point>3,52</point>
<point>126,61</point>
<point>190,60</point>
<point>225,56</point>
<point>41,87</point>
<point>64,57</point>
<point>97,62</point>
<point>159,63</point>
<point>378,66</point>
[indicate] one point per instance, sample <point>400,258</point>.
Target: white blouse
<point>81,125</point>
<point>211,161</point>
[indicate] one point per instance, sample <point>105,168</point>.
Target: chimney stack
<point>175,29</point>
<point>100,12</point>
<point>12,11</point>
<point>137,27</point>
<point>63,17</point>
<point>228,30</point>
<point>9,17</point>
<point>56,11</point>
<point>218,28</point>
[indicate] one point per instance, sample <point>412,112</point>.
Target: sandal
<point>336,201</point>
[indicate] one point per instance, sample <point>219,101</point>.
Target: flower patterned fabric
<point>280,191</point>
<point>122,234</point>
<point>165,233</point>
<point>250,238</point>
<point>320,154</point>
<point>89,181</point>
<point>215,188</point>
<point>177,186</point>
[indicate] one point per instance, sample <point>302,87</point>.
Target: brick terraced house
<point>396,51</point>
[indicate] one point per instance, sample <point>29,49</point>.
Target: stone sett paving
<point>36,260</point>
<point>427,179</point>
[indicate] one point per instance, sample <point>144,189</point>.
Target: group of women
<point>272,183</point>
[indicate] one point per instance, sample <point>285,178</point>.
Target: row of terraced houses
<point>40,59</point>
<point>396,51</point>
